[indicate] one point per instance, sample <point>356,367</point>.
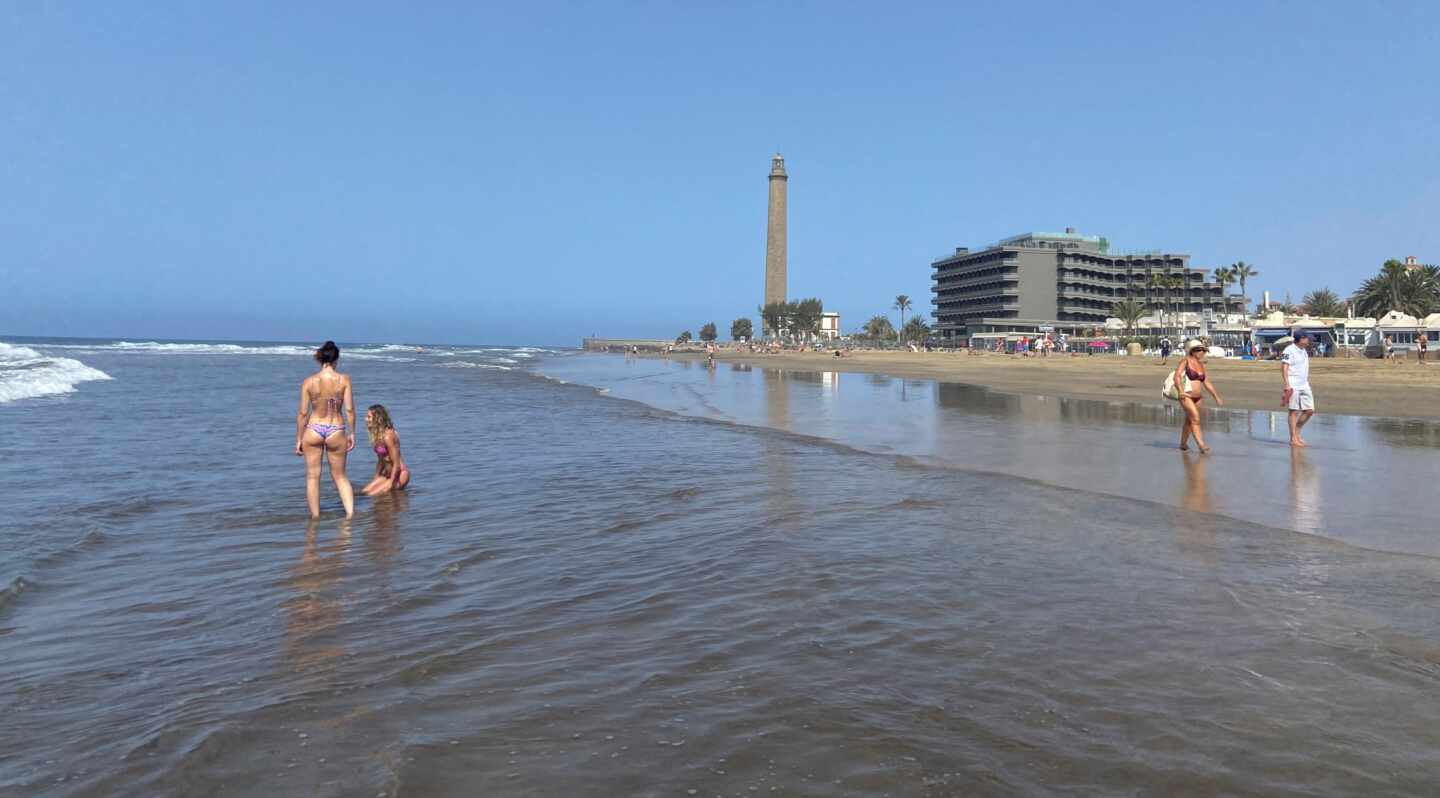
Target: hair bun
<point>328,353</point>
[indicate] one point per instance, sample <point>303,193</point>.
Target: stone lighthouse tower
<point>775,233</point>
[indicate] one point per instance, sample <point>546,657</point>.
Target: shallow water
<point>1364,481</point>
<point>583,595</point>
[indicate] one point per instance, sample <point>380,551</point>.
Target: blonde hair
<point>378,422</point>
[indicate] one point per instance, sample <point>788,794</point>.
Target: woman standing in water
<point>390,471</point>
<point>1190,376</point>
<point>321,430</point>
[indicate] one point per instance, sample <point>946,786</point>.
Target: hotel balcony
<point>952,309</point>
<point>968,268</point>
<point>1078,280</point>
<point>1006,277</point>
<point>1083,293</point>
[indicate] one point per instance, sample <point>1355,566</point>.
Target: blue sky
<point>538,172</point>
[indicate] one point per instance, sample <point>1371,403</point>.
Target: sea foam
<point>27,374</point>
<point>270,350</point>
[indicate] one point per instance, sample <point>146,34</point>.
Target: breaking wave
<point>463,364</point>
<point>280,350</point>
<point>27,374</point>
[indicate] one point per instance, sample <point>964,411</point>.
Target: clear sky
<point>533,172</point>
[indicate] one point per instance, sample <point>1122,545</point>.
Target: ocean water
<point>618,577</point>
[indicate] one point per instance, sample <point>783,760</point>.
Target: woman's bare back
<point>326,391</point>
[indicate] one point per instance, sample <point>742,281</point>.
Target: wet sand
<point>1362,481</point>
<point>1353,386</point>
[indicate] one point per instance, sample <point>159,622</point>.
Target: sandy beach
<point>1354,386</point>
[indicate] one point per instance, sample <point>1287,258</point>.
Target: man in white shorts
<point>1295,370</point>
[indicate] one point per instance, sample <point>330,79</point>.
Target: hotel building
<point>1064,281</point>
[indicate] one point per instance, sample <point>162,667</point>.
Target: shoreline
<point>1347,386</point>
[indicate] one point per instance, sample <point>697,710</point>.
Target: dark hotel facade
<point>1063,280</point>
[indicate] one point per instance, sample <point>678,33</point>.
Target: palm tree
<point>1422,291</point>
<point>1224,276</point>
<point>1166,286</point>
<point>1175,292</point>
<point>1323,302</point>
<point>1128,311</point>
<point>1243,271</point>
<point>1412,291</point>
<point>1382,293</point>
<point>1156,283</point>
<point>879,327</point>
<point>902,304</point>
<point>915,330</point>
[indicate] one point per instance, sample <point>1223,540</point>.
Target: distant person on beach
<point>1389,349</point>
<point>320,429</point>
<point>1164,349</point>
<point>1295,372</point>
<point>1423,344</point>
<point>1191,378</point>
<point>390,470</point>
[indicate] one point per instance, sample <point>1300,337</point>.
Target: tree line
<point>798,317</point>
<point>1411,290</point>
<point>880,328</point>
<point>1414,291</point>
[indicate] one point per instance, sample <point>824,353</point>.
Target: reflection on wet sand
<point>1195,530</point>
<point>1305,515</point>
<point>1361,481</point>
<point>1406,432</point>
<point>780,495</point>
<point>383,539</point>
<point>313,613</point>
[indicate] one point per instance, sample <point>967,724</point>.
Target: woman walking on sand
<point>1190,378</point>
<point>320,429</point>
<point>390,470</point>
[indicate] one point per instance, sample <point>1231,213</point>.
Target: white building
<point>1400,328</point>
<point>829,325</point>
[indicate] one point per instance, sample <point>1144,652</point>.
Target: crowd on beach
<point>327,403</point>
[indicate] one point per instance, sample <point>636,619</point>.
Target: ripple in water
<point>586,596</point>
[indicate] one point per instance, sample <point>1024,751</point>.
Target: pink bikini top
<point>381,451</point>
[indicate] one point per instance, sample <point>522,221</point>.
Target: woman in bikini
<point>1192,367</point>
<point>320,429</point>
<point>390,470</point>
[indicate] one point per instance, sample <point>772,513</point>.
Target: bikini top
<point>1197,376</point>
<point>381,451</point>
<point>333,403</point>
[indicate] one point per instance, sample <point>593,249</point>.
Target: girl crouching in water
<point>390,471</point>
